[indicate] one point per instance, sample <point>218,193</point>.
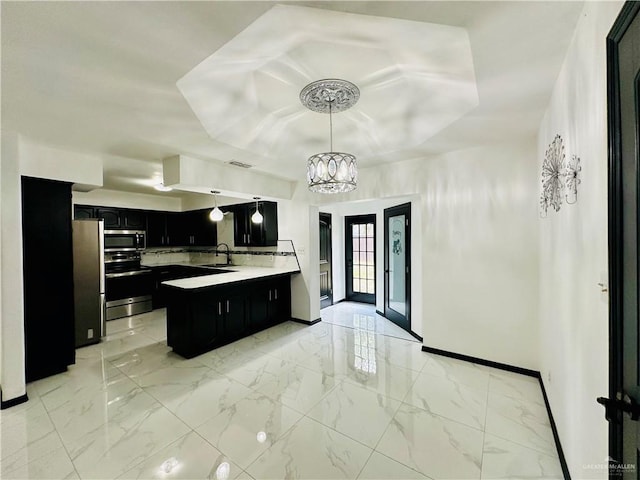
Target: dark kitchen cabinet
<point>233,308</point>
<point>199,320</point>
<point>156,229</point>
<point>206,232</point>
<point>81,212</point>
<point>168,229</point>
<point>164,229</point>
<point>199,229</point>
<point>279,300</point>
<point>111,217</point>
<point>249,234</point>
<point>172,272</point>
<point>270,303</point>
<point>114,218</point>
<point>209,319</point>
<point>177,230</point>
<point>133,219</point>
<point>47,277</point>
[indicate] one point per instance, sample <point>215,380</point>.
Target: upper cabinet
<point>156,229</point>
<point>164,229</point>
<point>181,229</point>
<point>246,233</point>
<point>133,219</point>
<point>111,217</point>
<point>81,212</point>
<point>201,230</point>
<point>114,218</point>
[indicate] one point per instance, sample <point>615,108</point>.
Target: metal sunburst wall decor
<point>551,170</point>
<point>560,177</point>
<point>572,179</point>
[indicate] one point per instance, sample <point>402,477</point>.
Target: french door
<point>622,409</point>
<point>360,255</point>
<point>397,261</point>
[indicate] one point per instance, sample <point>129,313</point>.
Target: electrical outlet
<point>90,333</point>
<point>549,376</point>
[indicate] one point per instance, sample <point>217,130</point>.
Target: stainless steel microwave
<point>124,240</point>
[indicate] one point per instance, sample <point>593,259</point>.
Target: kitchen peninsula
<point>206,312</point>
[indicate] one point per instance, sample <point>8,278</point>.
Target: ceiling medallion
<point>331,172</point>
<point>321,95</point>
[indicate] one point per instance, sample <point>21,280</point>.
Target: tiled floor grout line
<point>63,446</point>
<point>484,428</point>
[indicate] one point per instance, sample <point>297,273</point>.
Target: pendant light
<point>331,172</point>
<point>257,216</point>
<point>216,214</point>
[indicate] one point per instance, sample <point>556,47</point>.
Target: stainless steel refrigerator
<point>89,281</point>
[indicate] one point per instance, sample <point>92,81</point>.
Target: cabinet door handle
<point>276,292</point>
<point>269,294</point>
<point>219,308</point>
<point>227,306</point>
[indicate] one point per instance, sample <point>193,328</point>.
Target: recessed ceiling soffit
<point>415,79</point>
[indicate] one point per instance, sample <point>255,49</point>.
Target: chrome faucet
<point>227,253</point>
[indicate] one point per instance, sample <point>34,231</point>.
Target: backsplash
<point>282,256</point>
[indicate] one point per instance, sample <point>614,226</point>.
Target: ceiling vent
<point>240,164</point>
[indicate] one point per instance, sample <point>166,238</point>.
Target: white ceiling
<point>101,77</point>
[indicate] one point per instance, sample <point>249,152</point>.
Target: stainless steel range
<point>129,286</point>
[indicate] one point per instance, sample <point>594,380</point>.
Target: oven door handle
<point>127,274</point>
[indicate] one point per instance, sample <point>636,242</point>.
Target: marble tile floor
<point>345,398</point>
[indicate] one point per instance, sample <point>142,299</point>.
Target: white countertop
<point>237,274</point>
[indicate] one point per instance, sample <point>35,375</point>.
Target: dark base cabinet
<point>200,320</point>
<point>172,272</point>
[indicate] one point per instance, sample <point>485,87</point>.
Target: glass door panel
<point>360,258</point>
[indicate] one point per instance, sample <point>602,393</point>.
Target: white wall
<point>573,251</point>
<point>21,156</point>
<point>480,258</point>
<point>475,222</point>
<point>12,378</point>
<point>44,161</point>
<point>299,222</point>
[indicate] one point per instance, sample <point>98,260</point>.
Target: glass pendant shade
<point>216,215</point>
<point>332,172</point>
<point>257,216</point>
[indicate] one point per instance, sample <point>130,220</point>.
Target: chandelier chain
<point>330,128</point>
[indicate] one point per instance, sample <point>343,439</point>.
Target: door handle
<point>227,306</point>
<point>269,294</point>
<point>622,403</point>
<point>219,308</point>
